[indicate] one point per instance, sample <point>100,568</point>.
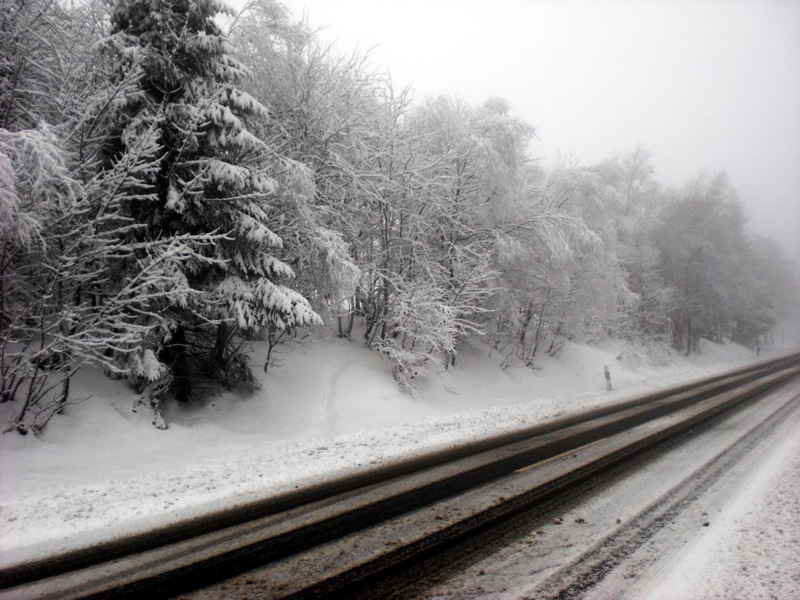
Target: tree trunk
<point>180,365</point>
<point>345,322</point>
<point>220,345</point>
<point>63,396</point>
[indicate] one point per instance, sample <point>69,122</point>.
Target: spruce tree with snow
<point>212,176</point>
<point>60,227</point>
<point>320,106</point>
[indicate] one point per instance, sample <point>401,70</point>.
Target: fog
<point>702,85</point>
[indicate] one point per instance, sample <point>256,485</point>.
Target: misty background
<point>704,86</point>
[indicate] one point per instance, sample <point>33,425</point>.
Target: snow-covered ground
<point>326,408</point>
<point>753,550</point>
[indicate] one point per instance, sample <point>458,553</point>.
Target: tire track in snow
<point>592,567</point>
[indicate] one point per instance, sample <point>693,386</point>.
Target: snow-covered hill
<point>328,407</point>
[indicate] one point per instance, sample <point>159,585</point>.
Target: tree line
<point>174,184</point>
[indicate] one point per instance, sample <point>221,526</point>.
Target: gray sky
<point>703,85</point>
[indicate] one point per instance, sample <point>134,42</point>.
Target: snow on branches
<point>213,177</point>
<point>65,301</point>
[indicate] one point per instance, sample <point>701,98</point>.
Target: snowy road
<point>465,570</point>
<point>47,519</point>
<point>664,530</point>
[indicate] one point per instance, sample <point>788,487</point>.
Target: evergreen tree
<point>319,104</point>
<point>212,176</point>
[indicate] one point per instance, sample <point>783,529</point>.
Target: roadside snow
<point>753,548</point>
<point>329,407</point>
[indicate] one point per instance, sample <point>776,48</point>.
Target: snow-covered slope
<point>325,408</point>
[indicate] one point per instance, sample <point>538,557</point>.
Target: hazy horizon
<point>704,86</point>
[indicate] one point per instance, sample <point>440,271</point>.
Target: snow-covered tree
<point>562,276</point>
<point>59,312</point>
<point>540,247</point>
<point>774,284</point>
<point>628,200</point>
<point>318,104</point>
<point>211,176</point>
<point>703,243</point>
<point>29,34</point>
<point>473,158</point>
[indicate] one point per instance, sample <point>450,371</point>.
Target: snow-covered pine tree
<point>59,243</point>
<point>319,104</point>
<point>213,175</point>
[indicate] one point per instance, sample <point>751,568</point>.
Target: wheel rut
<point>578,577</point>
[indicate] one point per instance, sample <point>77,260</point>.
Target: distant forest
<point>175,182</point>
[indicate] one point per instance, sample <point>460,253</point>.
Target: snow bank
<point>753,547</point>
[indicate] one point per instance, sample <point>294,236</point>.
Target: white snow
<point>327,407</point>
<point>760,522</point>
